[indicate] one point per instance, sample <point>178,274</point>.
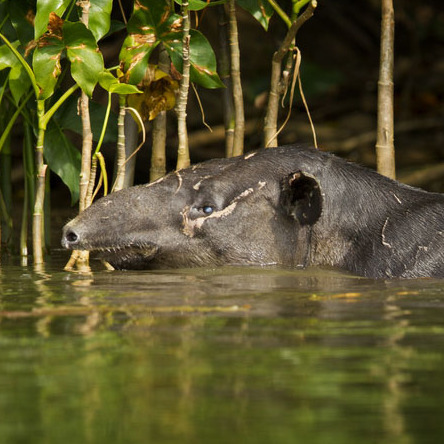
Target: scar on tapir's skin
<point>290,206</point>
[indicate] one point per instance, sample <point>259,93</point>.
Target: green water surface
<point>231,355</point>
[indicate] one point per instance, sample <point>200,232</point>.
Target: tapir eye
<point>207,209</point>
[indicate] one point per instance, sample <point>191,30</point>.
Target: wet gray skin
<point>290,206</point>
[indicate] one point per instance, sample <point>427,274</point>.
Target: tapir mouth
<point>131,256</point>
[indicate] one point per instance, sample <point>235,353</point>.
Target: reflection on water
<point>219,355</point>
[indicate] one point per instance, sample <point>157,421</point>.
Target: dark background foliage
<point>340,62</point>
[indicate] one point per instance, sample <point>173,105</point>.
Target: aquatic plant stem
<point>280,12</point>
<point>121,155</point>
<point>276,85</point>
<point>87,140</point>
<point>40,167</point>
<point>37,219</point>
<point>183,153</point>
<point>238,100</point>
<point>29,194</point>
<point>11,122</point>
<point>158,152</point>
<point>224,73</point>
<point>158,155</point>
<point>385,150</point>
<point>6,189</point>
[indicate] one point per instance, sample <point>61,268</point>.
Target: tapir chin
<point>289,206</point>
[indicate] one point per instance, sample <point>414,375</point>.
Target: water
<point>242,355</point>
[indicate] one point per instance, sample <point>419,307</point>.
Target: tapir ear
<point>302,197</point>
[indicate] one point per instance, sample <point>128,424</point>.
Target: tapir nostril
<point>71,237</point>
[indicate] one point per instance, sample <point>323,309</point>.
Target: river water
<point>241,355</point>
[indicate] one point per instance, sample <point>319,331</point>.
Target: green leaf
<point>116,26</point>
<point>100,17</point>
<point>259,9</point>
<point>135,55</point>
<point>19,82</point>
<point>46,65</point>
<point>21,13</point>
<point>202,60</point>
<point>84,55</point>
<point>63,158</point>
<point>194,5</point>
<point>7,58</point>
<point>44,8</point>
<point>109,83</point>
<point>152,22</point>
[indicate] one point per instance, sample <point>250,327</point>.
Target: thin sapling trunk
<point>158,153</point>
<point>385,150</point>
<point>224,73</point>
<point>183,154</point>
<point>277,84</point>
<point>239,118</point>
<point>121,156</point>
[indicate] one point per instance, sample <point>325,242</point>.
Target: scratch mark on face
<point>386,244</point>
<point>397,198</point>
<point>190,225</point>
<point>154,183</point>
<point>197,185</point>
<point>179,178</point>
<point>188,228</point>
<point>249,156</point>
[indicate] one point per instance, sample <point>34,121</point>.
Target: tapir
<point>289,206</point>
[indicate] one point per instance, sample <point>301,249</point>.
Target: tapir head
<point>255,209</point>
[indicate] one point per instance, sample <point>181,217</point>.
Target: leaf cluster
<point>47,47</point>
<point>54,48</point>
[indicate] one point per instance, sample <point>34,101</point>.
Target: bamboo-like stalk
<point>81,258</point>
<point>37,223</point>
<point>276,86</point>
<point>385,150</point>
<point>47,215</point>
<point>87,136</point>
<point>183,154</point>
<point>37,216</point>
<point>239,118</point>
<point>29,188</point>
<point>92,181</point>
<point>4,214</point>
<point>224,73</point>
<point>1,217</point>
<point>6,190</point>
<point>158,152</point>
<point>121,156</point>
<point>131,146</point>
